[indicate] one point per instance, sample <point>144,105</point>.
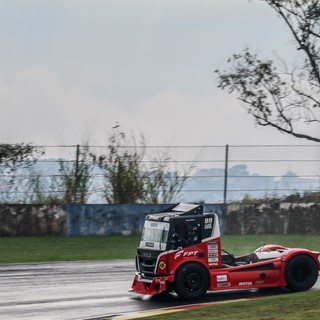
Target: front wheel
<point>191,281</point>
<point>301,273</point>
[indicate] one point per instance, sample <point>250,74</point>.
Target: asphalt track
<point>86,290</point>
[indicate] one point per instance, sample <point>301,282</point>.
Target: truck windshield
<point>155,235</point>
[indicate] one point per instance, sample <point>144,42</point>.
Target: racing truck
<point>180,250</point>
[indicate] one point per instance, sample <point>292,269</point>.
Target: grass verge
<point>45,249</point>
<point>293,306</point>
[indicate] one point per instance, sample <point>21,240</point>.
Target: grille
<point>147,260</point>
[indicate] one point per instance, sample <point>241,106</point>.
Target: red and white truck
<point>180,250</point>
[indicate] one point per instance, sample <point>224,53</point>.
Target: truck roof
<point>177,210</point>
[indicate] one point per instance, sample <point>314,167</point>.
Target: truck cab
<point>181,233</point>
<point>180,250</point>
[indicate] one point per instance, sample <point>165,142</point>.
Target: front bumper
<point>150,286</point>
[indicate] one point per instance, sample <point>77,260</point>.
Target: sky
<point>71,69</point>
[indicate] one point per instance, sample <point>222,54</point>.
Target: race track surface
<point>85,290</point>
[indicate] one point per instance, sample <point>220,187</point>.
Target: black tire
<point>301,273</point>
<point>191,281</point>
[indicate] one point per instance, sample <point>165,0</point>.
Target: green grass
<point>293,306</point>
<point>44,249</point>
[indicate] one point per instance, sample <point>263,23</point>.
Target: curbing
<point>156,312</point>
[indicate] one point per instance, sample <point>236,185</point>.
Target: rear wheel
<point>191,281</point>
<point>301,273</point>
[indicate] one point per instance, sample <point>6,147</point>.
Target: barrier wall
<point>283,218</point>
<point>32,220</point>
<point>78,220</point>
<point>95,219</point>
<point>106,219</point>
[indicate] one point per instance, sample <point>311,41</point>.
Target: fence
<point>213,174</point>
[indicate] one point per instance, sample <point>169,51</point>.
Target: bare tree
<point>130,177</point>
<point>164,182</point>
<point>287,100</point>
<point>15,158</point>
<point>76,177</point>
<point>122,168</point>
<point>41,190</point>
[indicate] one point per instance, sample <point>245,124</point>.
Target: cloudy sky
<point>70,69</point>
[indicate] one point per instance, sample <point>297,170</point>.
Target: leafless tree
<point>15,157</point>
<point>285,99</point>
<point>131,177</point>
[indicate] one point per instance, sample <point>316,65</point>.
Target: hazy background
<point>73,68</point>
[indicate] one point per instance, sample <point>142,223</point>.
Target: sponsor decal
<point>190,253</point>
<point>154,224</point>
<point>245,283</point>
<point>150,244</point>
<point>224,285</point>
<point>213,257</point>
<point>259,282</point>
<point>185,254</point>
<point>162,265</point>
<point>222,277</point>
<point>213,254</point>
<point>178,254</point>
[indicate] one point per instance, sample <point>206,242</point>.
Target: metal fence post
<point>225,188</point>
<point>76,182</point>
